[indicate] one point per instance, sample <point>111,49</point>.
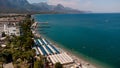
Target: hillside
<point>23,6</point>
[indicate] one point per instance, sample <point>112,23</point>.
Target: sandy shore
<point>87,62</point>
<point>78,60</point>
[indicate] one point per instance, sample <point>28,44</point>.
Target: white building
<point>11,30</point>
<point>12,22</point>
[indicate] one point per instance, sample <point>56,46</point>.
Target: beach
<point>78,60</point>
<point>88,36</point>
<point>86,61</point>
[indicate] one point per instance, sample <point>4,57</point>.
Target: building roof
<point>11,19</point>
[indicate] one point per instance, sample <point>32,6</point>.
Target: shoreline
<point>80,57</point>
<point>74,56</point>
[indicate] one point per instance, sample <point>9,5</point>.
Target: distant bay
<point>94,35</point>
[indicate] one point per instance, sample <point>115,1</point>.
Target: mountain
<point>43,6</point>
<point>57,8</point>
<point>61,8</point>
<point>13,4</point>
<point>17,6</point>
<point>23,6</point>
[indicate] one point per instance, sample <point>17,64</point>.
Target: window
<point>14,30</point>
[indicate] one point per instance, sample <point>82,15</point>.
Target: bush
<point>38,64</point>
<point>3,34</point>
<point>58,65</point>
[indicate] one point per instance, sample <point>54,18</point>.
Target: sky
<point>98,6</point>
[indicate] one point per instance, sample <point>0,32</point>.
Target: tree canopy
<point>58,65</point>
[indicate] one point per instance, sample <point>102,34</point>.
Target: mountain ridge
<point>23,6</point>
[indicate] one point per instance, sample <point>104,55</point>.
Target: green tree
<point>7,55</point>
<point>21,46</point>
<point>38,64</point>
<point>3,34</point>
<point>58,65</point>
<point>16,55</point>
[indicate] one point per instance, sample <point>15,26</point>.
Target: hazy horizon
<point>97,6</point>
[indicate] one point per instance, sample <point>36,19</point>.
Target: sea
<point>95,37</point>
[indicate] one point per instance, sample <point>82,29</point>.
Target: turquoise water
<point>94,35</point>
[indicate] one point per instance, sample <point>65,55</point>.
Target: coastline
<point>73,55</point>
<point>85,60</point>
<point>102,58</point>
<point>79,58</point>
